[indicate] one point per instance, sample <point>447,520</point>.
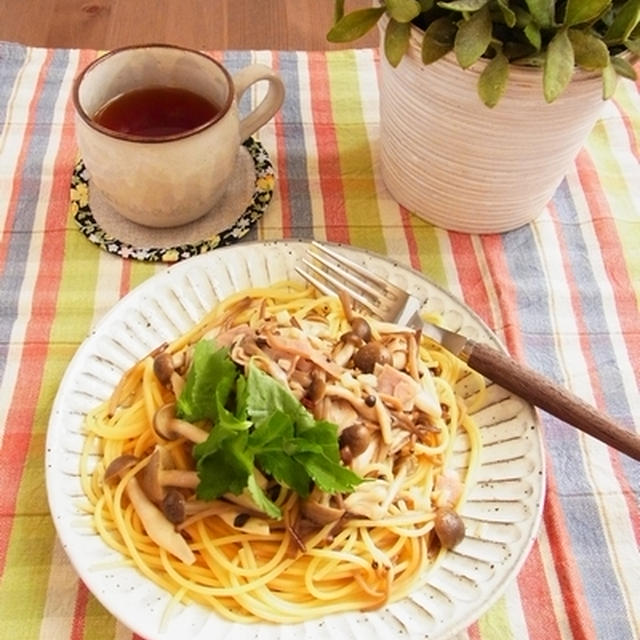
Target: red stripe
<point>331,185</point>
<point>536,598</point>
<point>282,160</point>
<point>573,597</point>
<point>473,632</point>
<point>80,612</point>
<point>410,238</point>
<point>470,276</point>
<point>504,292</point>
<point>632,132</point>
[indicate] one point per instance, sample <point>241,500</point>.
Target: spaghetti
<point>401,429</point>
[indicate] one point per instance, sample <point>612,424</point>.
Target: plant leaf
<point>558,66</point>
<point>589,51</point>
<point>403,10</point>
<point>508,14</point>
<point>463,5</point>
<point>609,81</point>
<point>208,384</point>
<point>354,25</point>
<point>624,23</point>
<point>581,11</point>
<point>473,37</point>
<point>438,40</point>
<point>633,46</point>
<point>493,80</point>
<point>396,41</point>
<point>623,68</point>
<point>260,499</point>
<point>533,35</point>
<point>542,11</point>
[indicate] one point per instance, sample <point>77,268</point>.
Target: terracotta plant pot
<point>463,166</point>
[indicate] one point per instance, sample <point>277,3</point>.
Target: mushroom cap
<point>163,367</point>
<point>174,506</point>
<point>162,420</point>
<point>449,527</point>
<point>118,466</point>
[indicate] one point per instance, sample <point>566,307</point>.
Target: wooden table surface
<point>201,24</point>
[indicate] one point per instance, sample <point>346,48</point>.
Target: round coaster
<point>244,202</point>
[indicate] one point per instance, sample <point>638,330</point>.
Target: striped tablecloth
<point>563,293</point>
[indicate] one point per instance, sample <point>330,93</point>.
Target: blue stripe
<point>19,236</point>
<point>295,150</point>
<point>294,140</point>
<point>12,58</point>
<point>582,518</point>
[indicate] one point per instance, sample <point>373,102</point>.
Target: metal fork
<point>333,274</point>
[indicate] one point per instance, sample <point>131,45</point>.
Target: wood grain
<point>200,24</point>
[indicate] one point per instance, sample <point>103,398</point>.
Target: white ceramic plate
<point>502,512</point>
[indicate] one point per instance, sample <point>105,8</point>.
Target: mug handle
<point>271,102</point>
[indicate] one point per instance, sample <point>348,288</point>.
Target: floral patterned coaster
<point>243,204</point>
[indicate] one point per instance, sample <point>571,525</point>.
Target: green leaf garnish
<point>257,424</point>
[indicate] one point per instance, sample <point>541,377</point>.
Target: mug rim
<point>129,137</point>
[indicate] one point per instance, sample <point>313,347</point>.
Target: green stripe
<point>356,161</point>
<point>495,622</point>
<point>427,239</point>
<point>619,193</point>
<point>24,577</point>
<point>99,623</point>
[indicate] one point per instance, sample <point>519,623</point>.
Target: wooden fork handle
<point>552,398</point>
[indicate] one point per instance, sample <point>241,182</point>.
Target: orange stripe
<point>329,176</point>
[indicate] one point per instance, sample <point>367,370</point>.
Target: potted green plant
<point>506,89</point>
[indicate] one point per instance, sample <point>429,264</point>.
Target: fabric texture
<point>563,293</point>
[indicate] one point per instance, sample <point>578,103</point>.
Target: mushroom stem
<point>168,427</point>
<point>179,478</point>
<point>158,528</point>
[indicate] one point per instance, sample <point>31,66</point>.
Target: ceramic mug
<point>167,180</point>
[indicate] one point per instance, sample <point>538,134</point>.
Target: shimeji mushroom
<point>169,427</point>
<point>166,366</point>
<point>157,475</point>
<point>158,528</point>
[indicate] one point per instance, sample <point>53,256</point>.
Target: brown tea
<point>155,112</point>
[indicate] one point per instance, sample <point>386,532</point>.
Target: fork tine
<point>343,274</point>
<point>381,285</point>
<point>335,286</point>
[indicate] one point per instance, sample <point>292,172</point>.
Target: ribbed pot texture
<point>463,166</point>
